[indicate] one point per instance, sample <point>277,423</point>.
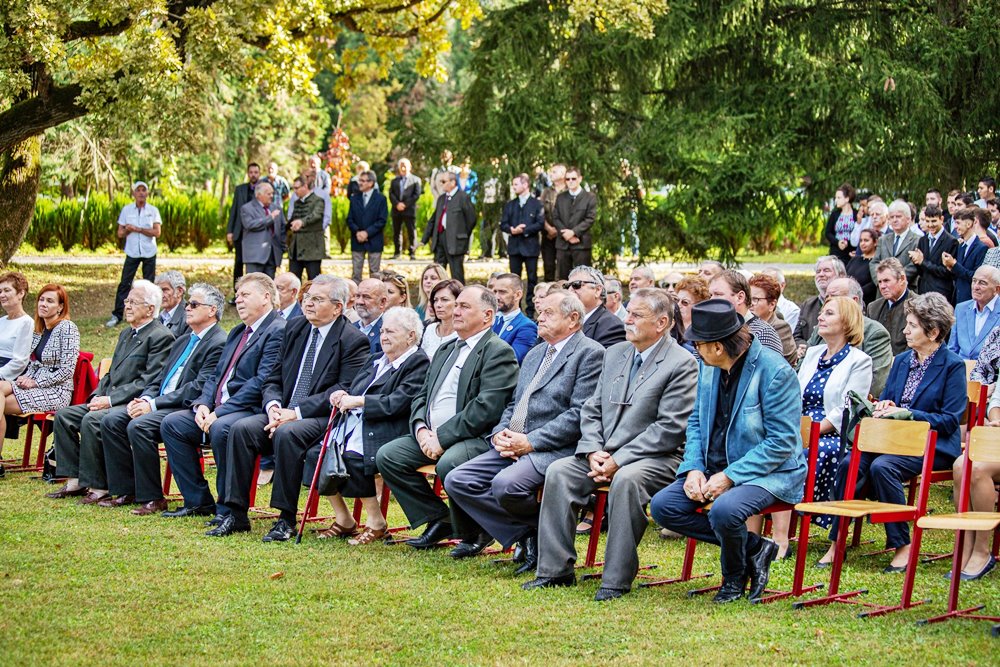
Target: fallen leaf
<point>277,575</point>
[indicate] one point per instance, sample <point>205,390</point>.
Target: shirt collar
<point>990,306</point>
<point>324,330</point>
<point>285,312</point>
<point>573,193</point>
<point>400,359</point>
<point>509,317</point>
<point>474,339</point>
<point>259,323</point>
<point>523,198</point>
<point>204,332</point>
<point>367,328</point>
<point>140,328</point>
<point>587,315</point>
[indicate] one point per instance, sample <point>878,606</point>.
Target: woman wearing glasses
<point>764,294</point>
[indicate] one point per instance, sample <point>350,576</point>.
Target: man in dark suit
<point>888,310</point>
<point>541,424</point>
<point>524,219</point>
<point>598,324</point>
<point>172,311</point>
<point>131,438</point>
<point>263,225</point>
<point>308,244</point>
<point>932,275</point>
<point>232,392</point>
<point>139,356</point>
<point>970,253</point>
<point>449,228</point>
<point>574,214</point>
<point>828,268</point>
<point>366,219</point>
<point>404,191</point>
<point>321,353</point>
<point>369,303</point>
<point>234,229</point>
<point>557,174</point>
<point>513,326</point>
<point>898,241</point>
<point>288,287</point>
<point>470,381</point>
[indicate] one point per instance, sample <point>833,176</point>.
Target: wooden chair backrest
<point>969,365</point>
<point>805,429</point>
<point>104,367</point>
<point>972,391</point>
<point>984,445</point>
<point>893,436</point>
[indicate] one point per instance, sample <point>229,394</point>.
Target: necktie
<point>232,364</point>
<point>305,375</point>
<point>444,212</point>
<point>895,245</point>
<point>367,196</point>
<point>498,324</point>
<point>135,332</point>
<point>520,415</point>
<point>636,365</point>
<point>181,360</point>
<point>270,224</point>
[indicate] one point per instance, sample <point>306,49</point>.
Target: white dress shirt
<point>355,424</point>
<point>983,314</point>
<point>136,244</point>
<point>176,377</point>
<point>444,405</point>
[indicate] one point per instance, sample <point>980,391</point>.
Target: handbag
<point>333,474</point>
<point>858,407</point>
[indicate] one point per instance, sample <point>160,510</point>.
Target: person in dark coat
<point>524,219</point>
<point>366,219</point>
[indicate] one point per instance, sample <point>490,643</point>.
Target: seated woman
<point>375,411</point>
<point>398,292</point>
<point>442,305</point>
<point>928,380</point>
<point>15,326</point>
<point>431,276</point>
<point>764,294</point>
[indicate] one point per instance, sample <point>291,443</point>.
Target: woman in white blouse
<point>442,305</point>
<point>15,326</point>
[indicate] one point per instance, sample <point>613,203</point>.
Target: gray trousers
<point>79,448</point>
<point>358,261</point>
<point>567,490</point>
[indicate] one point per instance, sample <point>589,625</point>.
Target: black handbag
<point>333,474</point>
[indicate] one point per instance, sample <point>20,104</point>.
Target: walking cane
<point>312,487</point>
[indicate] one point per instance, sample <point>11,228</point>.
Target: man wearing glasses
<point>574,214</point>
<point>366,219</point>
<point>600,325</point>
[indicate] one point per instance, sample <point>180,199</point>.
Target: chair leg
<point>253,482</point>
<point>859,523</point>
<point>167,478</point>
<point>800,567</point>
<point>26,457</point>
<point>595,529</point>
<point>686,569</point>
<point>357,510</point>
<point>840,550</point>
<point>906,599</point>
<point>46,430</point>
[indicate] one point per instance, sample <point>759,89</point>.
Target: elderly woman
<point>841,223</point>
<point>431,276</point>
<point>375,411</point>
<point>764,294</point>
<point>541,291</point>
<point>442,305</point>
<point>397,290</point>
<point>928,380</point>
<point>15,326</point>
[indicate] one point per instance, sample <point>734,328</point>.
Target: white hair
<point>406,318</point>
<point>151,295</point>
<point>899,205</point>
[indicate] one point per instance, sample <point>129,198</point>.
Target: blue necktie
<point>180,362</point>
<point>498,324</point>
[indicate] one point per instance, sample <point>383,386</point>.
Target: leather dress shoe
<point>93,498</point>
<point>180,512</point>
<point>152,507</point>
<point>550,582</point>
<point>466,548</point>
<point>230,524</point>
<point>731,591</point>
<point>434,533</point>
<point>604,594</point>
<point>66,493</point>
<point>117,501</point>
<point>214,521</point>
<point>518,555</point>
<point>530,563</point>
<point>281,531</point>
<point>759,568</point>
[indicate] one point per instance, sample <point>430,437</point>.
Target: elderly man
<point>970,254</point>
<point>976,319</point>
<point>131,438</point>
<point>789,309</point>
<point>514,327</point>
<point>263,237</point>
<point>709,269</point>
<point>366,218</point>
<point>887,310</point>
<point>670,281</point>
<point>598,324</point>
<point>632,438</point>
<point>370,302</point>
<point>172,311</point>
<point>523,219</point>
<point>898,241</point>
<point>349,312</point>
<point>828,267</point>
<point>139,224</point>
<point>932,274</point>
<point>320,354</point>
<point>573,215</point>
<point>232,392</point>
<point>734,288</point>
<point>281,187</point>
<point>243,194</point>
<point>288,286</point>
<point>138,358</point>
<point>642,276</point>
<point>470,381</point>
<point>308,243</point>
<point>404,191</point>
<point>613,299</point>
<point>499,489</point>
<point>449,227</point>
<point>743,450</point>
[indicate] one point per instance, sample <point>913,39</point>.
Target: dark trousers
<point>238,261</point>
<point>184,442</point>
<point>489,233</point>
<point>77,435</point>
<point>530,265</point>
<point>312,268</point>
<point>128,275</point>
<point>266,269</point>
<point>455,263</point>
<point>290,468</point>
<point>548,258</point>
<point>399,222</point>
<point>884,475</point>
<point>398,461</point>
<point>567,260</point>
<point>500,494</point>
<point>132,454</point>
<point>724,524</point>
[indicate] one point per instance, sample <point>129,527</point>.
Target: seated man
<point>470,381</point>
<point>976,318</point>
<point>598,324</point>
<point>321,353</point>
<point>734,288</point>
<point>138,358</point>
<point>172,313</point>
<point>743,450</point>
<point>288,286</point>
<point>371,301</point>
<point>131,438</point>
<point>499,489</point>
<point>232,392</point>
<point>513,326</point>
<point>632,438</point>
<point>887,310</point>
<point>828,267</point>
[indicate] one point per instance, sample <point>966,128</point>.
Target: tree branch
<point>83,29</point>
<point>37,114</point>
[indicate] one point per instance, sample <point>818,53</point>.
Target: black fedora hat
<point>712,320</point>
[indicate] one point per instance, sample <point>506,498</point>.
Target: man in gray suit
<point>449,228</point>
<point>173,314</point>
<point>263,231</point>
<point>633,430</point>
<point>898,242</point>
<point>499,489</point>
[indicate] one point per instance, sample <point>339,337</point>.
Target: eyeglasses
<point>312,298</point>
<point>194,304</point>
<point>135,304</point>
<point>572,178</point>
<point>578,284</point>
<point>671,285</point>
<point>759,299</point>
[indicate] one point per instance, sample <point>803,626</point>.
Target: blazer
<point>54,371</point>
<point>485,385</point>
<point>521,334</point>
<point>878,346</point>
<point>241,195</point>
<point>763,442</point>
<point>578,215</point>
<point>553,421</point>
<point>371,219</point>
<point>932,276</point>
<point>963,340</point>
<point>532,216</point>
<point>884,251</point>
<point>461,222</point>
<point>197,369</point>
<point>262,352</point>
<point>893,319</point>
<point>808,317</point>
<point>177,325</point>
<point>410,194</point>
<point>296,312</point>
<point>853,373</point>
<point>940,398</point>
<point>604,327</point>
<point>263,236</point>
<point>308,244</point>
<point>965,267</point>
<point>374,336</point>
<point>136,362</point>
<point>646,420</point>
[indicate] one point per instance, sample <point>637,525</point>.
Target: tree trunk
<point>20,169</point>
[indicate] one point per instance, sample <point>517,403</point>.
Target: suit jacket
<point>965,267</point>
<point>485,385</point>
<point>197,369</point>
<point>177,324</point>
<point>553,421</point>
<point>877,345</point>
<point>963,341</point>
<point>645,420</point>
<point>808,317</point>
<point>374,336</point>
<point>940,398</point>
<point>136,362</point>
<point>532,216</point>
<point>763,441</point>
<point>893,319</point>
<point>931,273</point>
<point>884,251</point>
<point>241,195</point>
<point>338,360</point>
<point>261,353</point>
<point>371,219</point>
<point>578,215</point>
<point>263,236</point>
<point>461,222</point>
<point>308,244</point>
<point>854,373</point>
<point>410,194</point>
<point>521,334</point>
<point>604,327</point>
<point>296,312</point>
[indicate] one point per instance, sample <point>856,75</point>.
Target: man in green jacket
<point>308,246</point>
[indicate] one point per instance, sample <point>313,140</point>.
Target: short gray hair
<point>838,264</point>
<point>175,278</point>
<point>647,272</point>
<point>213,297</point>
<point>877,205</point>
<point>854,288</point>
<point>612,285</point>
<point>406,318</point>
<point>891,264</point>
<point>992,271</point>
<point>487,299</point>
<point>337,288</point>
<point>658,300</point>
<point>932,311</point>
<point>594,275</point>
<point>263,186</point>
<point>291,276</point>
<point>151,295</point>
<point>901,206</point>
<point>775,273</point>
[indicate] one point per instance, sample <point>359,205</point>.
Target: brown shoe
<point>152,507</point>
<point>336,530</point>
<point>117,501</point>
<point>92,498</point>
<point>367,536</point>
<point>64,492</point>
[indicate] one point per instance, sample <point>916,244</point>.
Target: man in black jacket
<point>574,214</point>
<point>932,275</point>
<point>234,230</point>
<point>598,323</point>
<point>404,191</point>
<point>451,224</point>
<point>524,218</point>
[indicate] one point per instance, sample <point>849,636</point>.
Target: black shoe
<point>413,257</point>
<point>530,563</point>
<point>396,255</point>
<point>731,591</point>
<point>603,594</point>
<point>550,582</point>
<point>3,471</point>
<point>893,569</point>
<point>759,568</point>
<point>204,510</point>
<point>281,531</point>
<point>230,524</point>
<point>467,548</point>
<point>216,520</point>
<point>518,555</point>
<point>434,533</point>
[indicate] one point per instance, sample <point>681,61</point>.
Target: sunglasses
<point>194,304</point>
<point>577,284</point>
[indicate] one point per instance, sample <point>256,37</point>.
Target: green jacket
<point>308,244</point>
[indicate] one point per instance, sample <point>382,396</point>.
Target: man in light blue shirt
<point>139,224</point>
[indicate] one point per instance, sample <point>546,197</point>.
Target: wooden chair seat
<point>427,470</point>
<point>962,521</point>
<point>854,508</point>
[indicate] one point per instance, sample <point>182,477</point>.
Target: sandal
<point>336,530</point>
<point>583,528</point>
<point>368,535</point>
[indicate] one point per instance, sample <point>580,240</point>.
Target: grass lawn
<point>84,584</point>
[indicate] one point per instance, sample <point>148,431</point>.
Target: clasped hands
<point>702,490</point>
<point>138,407</point>
<point>569,236</point>
<point>276,417</point>
<point>429,444</point>
<point>602,467</point>
<point>204,418</point>
<point>99,403</point>
<point>511,445</point>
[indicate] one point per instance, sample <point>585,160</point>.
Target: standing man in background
<point>557,175</point>
<point>449,228</point>
<point>404,192</point>
<point>575,213</point>
<point>234,230</point>
<point>139,224</point>
<point>524,219</point>
<point>366,220</point>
